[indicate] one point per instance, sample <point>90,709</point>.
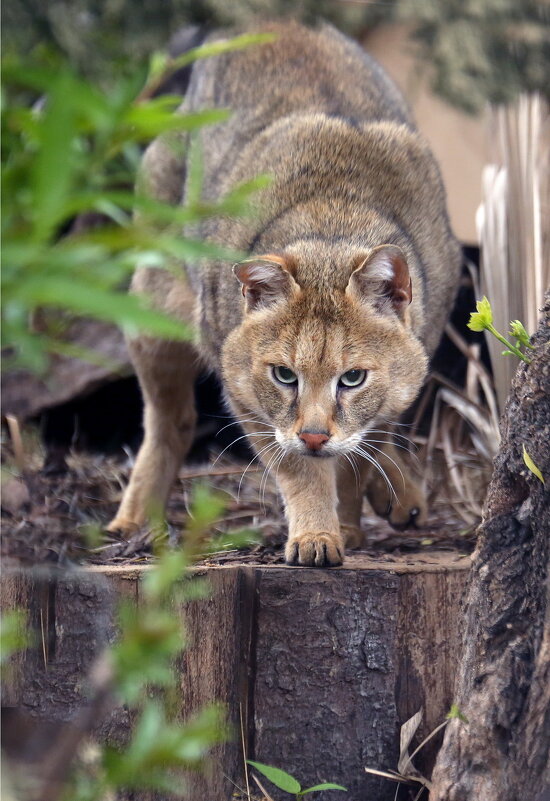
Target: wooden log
<point>323,665</point>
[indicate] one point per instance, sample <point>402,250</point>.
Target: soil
<point>59,518</point>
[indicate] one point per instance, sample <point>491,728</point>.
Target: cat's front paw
<point>315,549</point>
<point>122,525</point>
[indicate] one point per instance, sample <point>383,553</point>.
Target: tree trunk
<point>503,685</point>
<point>324,666</point>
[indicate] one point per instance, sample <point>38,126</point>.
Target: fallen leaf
<point>532,466</point>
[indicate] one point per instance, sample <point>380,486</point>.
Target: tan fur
<point>352,226</point>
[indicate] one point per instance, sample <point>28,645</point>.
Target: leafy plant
<point>284,781</point>
<point>138,671</point>
<point>406,772</point>
<point>69,148</point>
<point>13,634</point>
<point>482,320</point>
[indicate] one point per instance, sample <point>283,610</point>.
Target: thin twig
<point>16,441</point>
<point>244,752</point>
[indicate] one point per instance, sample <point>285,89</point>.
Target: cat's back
<point>315,112</point>
<point>302,70</point>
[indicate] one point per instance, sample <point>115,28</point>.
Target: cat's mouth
<point>322,454</point>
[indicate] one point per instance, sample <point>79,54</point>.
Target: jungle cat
<point>323,334</point>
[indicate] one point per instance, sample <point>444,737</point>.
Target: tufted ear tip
<point>383,277</point>
<point>265,279</point>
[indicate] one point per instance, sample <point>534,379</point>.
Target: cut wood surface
<point>323,665</point>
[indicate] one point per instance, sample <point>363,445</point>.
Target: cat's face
<point>321,369</point>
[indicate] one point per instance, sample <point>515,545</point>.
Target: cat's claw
<point>315,550</point>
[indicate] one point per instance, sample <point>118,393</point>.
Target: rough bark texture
<point>503,684</point>
<point>325,665</point>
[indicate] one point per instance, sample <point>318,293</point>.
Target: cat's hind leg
<point>351,480</point>
<point>166,372</point>
<point>391,491</point>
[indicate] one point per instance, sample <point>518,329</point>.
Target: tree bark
<point>321,666</point>
<point>503,683</point>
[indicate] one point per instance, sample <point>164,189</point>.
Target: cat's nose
<point>314,440</point>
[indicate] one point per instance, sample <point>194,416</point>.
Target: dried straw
<point>515,244</point>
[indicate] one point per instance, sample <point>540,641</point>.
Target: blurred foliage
<point>142,666</point>
<point>97,34</point>
<point>482,50</point>
<point>478,50</point>
<point>13,634</point>
<point>69,148</point>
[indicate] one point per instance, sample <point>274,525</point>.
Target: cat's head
<point>322,366</point>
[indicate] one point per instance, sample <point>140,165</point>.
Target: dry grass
<point>463,439</point>
<point>513,232</point>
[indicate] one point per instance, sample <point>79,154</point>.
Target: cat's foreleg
<point>308,486</point>
<point>166,372</point>
<point>391,491</point>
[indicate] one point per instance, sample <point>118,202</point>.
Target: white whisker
<point>379,450</point>
<point>395,423</point>
<point>391,435</point>
<point>354,468</point>
<point>244,436</point>
<point>246,420</point>
<point>263,483</point>
<point>256,456</point>
<point>358,450</point>
<point>283,454</point>
<point>393,445</point>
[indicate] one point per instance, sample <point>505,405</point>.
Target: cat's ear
<point>265,280</point>
<point>383,279</point>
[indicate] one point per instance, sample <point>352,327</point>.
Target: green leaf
<point>280,778</point>
<point>532,466</point>
<point>127,310</point>
<point>222,46</point>
<point>13,634</point>
<point>53,166</point>
<point>454,712</point>
<point>145,123</point>
<point>168,570</point>
<point>483,318</point>
<point>326,786</point>
<point>484,309</point>
<point>205,508</point>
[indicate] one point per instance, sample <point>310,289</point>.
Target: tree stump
<point>323,666</point>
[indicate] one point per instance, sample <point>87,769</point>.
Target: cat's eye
<point>285,375</point>
<point>353,378</point>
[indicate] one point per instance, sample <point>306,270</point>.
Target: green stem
<point>509,345</point>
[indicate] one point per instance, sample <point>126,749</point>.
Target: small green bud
<point>483,318</point>
<point>518,331</point>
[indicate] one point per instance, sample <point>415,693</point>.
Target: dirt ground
<point>59,518</point>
